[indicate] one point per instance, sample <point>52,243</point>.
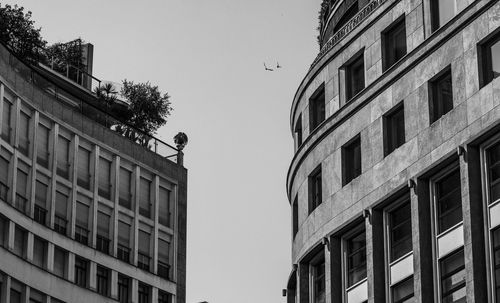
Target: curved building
<point>395,182</point>
<point>86,213</point>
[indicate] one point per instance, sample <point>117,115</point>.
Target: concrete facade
<point>26,275</point>
<point>429,149</point>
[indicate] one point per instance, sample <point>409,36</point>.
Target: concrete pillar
<point>114,284</point>
<point>423,262</point>
<point>472,206</point>
<point>29,247</point>
<point>92,275</point>
<point>134,296</point>
<point>11,235</point>
<point>335,257</point>
<point>70,270</point>
<point>50,256</point>
<point>375,257</point>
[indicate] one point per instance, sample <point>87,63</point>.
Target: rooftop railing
<point>87,109</point>
<point>366,11</point>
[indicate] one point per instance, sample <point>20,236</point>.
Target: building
<point>395,182</point>
<point>86,214</point>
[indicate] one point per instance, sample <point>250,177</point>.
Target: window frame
<point>391,130</point>
<point>436,104</point>
<point>353,232</point>
<point>348,160</point>
<point>346,73</point>
<point>298,130</point>
<point>315,191</point>
<point>317,261</point>
<point>435,23</point>
<point>389,58</point>
<point>317,108</point>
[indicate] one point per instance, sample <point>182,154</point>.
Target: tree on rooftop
<point>18,31</point>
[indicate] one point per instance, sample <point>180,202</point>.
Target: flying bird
<point>278,65</point>
<point>267,68</point>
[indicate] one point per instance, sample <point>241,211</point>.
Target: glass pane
<point>144,242</point>
<point>43,145</point>
<point>164,207</point>
<point>402,291</point>
<point>104,178</point>
<point>123,233</point>
<point>103,224</point>
<point>495,59</point>
<point>82,215</point>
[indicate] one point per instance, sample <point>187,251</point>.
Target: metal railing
<point>366,11</point>
<point>89,111</point>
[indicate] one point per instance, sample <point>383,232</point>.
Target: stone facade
<point>429,148</point>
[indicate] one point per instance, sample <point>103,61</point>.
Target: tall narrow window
<point>125,188</point>
<point>394,129</point>
<point>317,108</point>
<point>20,241</point>
<point>63,157</point>
<point>144,293</point>
<point>60,259</point>
<point>356,258</point>
<point>103,236</point>
<point>442,11</point>
<point>39,252</point>
<point>448,201</point>
<point>82,223</point>
<point>163,259</point>
<point>493,159</point>
<point>394,43</point>
<point>354,76</point>
<point>402,292</point>
<point>6,121</point>
<point>102,275</point>
<point>24,133</point>
<point>4,178</point>
<point>400,231</point>
<point>441,95</point>
<point>81,271</point>
<point>295,217</point>
<point>164,216</point>
<point>61,211</point>
<point>496,263</point>
<point>351,160</point>
<point>123,288</point>
<point>104,178</point>
<point>452,270</point>
<point>489,60</point>
<point>145,198</point>
<point>315,192</point>
<point>21,201</point>
<point>83,168</point>
<point>164,297</point>
<point>123,251</point>
<point>4,231</point>
<point>41,194</point>
<point>42,150</point>
<point>318,280</point>
<point>298,131</point>
<point>144,252</point>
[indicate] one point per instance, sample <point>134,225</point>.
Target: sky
<point>208,56</point>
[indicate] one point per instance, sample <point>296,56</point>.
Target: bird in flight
<point>267,68</point>
<point>278,65</point>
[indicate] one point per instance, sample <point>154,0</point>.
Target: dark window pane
<point>441,98</point>
<point>319,282</point>
<point>400,231</point>
<point>43,146</point>
<point>356,258</point>
<point>83,168</point>
<point>125,198</point>
<point>104,178</point>
<point>295,217</point>
<point>123,289</point>
<point>6,121</point>
<point>453,277</point>
<point>449,201</point>
<point>298,131</point>
<point>351,154</point>
<point>355,77</point>
<point>317,108</point>
<point>315,196</point>
<point>81,268</point>
<point>145,198</point>
<point>24,131</point>
<point>394,124</point>
<point>402,291</point>
<point>63,157</point>
<point>394,40</point>
<point>493,161</point>
<point>164,216</point>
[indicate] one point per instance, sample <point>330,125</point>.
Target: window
<point>63,157</point>
<point>123,288</point>
<point>103,237</point>
<point>41,194</point>
<point>496,262</point>
<point>356,258</point>
<point>104,178</point>
<point>143,255</point>
<point>83,168</point>
<point>125,188</point>
<point>317,108</point>
<point>164,297</point>
<point>6,120</point>
<point>16,289</point>
<point>36,297</point>
<point>123,252</point>
<point>4,231</point>
<point>489,60</point>
<point>441,95</point>
<point>295,217</point>
<point>452,270</point>
<point>315,194</point>
<point>348,15</point>
<point>81,271</point>
<point>402,291</point>
<point>60,217</point>
<point>354,76</point>
<point>448,201</point>
<point>394,43</point>
<point>42,154</point>
<point>351,160</point>
<point>39,251</point>
<point>82,223</point>
<point>163,259</point>
<point>442,11</point>
<point>144,291</point>
<point>298,131</point>
<point>164,216</point>
<point>60,257</point>
<point>102,275</point>
<point>20,242</point>
<point>493,163</point>
<point>4,188</point>
<point>21,201</point>
<point>318,279</point>
<point>400,242</point>
<point>145,198</point>
<point>394,129</point>
<point>24,133</point>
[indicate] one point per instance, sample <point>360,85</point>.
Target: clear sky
<point>208,55</point>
